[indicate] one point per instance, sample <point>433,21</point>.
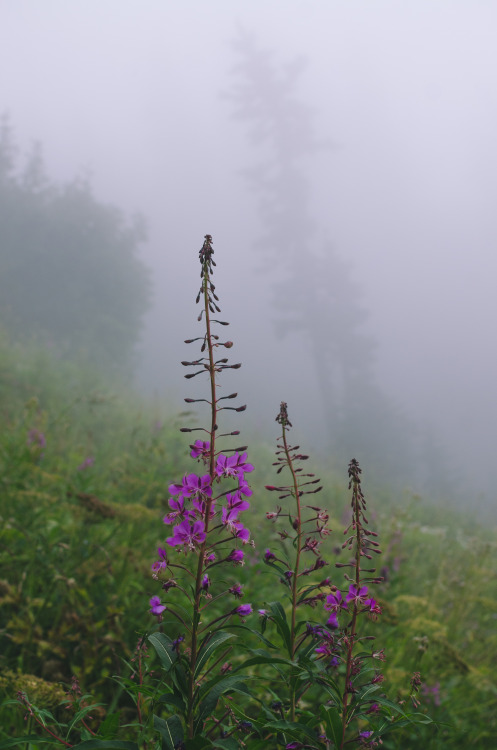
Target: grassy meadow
<point>84,478</point>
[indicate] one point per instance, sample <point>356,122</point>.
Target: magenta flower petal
<point>243,610</point>
<point>156,608</point>
<point>236,556</point>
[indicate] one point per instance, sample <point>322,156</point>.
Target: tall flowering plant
<point>206,535</point>
<point>331,695</point>
<point>316,682</point>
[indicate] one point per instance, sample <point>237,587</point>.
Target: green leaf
<point>171,731</point>
<point>334,727</point>
<point>180,680</point>
<point>198,743</point>
<point>106,745</point>
<point>257,633</point>
<point>208,705</point>
<point>29,738</point>
<point>172,699</point>
<point>209,645</point>
<point>80,715</point>
<point>164,649</point>
<point>110,725</point>
<point>294,729</point>
<point>229,743</point>
<point>279,617</point>
<point>395,706</point>
<point>271,660</point>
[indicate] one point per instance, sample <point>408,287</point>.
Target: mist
<point>395,188</point>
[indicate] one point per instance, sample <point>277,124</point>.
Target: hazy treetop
<point>404,92</point>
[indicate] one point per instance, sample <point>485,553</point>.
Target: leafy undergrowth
<point>83,483</point>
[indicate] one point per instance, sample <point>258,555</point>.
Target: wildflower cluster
<point>205,518</point>
<point>329,664</point>
<point>194,509</point>
<point>298,558</point>
<point>337,649</point>
<point>314,683</point>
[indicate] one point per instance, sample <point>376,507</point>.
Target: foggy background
<point>397,184</point>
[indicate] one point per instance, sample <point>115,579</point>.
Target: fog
<point>399,185</point>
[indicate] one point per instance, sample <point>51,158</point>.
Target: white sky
<point>406,91</point>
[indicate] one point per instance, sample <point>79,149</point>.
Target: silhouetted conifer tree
<point>70,275</point>
<point>316,292</point>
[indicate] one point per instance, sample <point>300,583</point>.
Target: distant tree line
<point>70,274</point>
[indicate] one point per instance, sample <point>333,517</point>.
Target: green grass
<point>76,548</point>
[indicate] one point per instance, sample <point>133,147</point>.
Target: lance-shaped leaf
<point>210,644</point>
<point>172,699</point>
<point>333,721</point>
<point>294,729</point>
<point>279,617</point>
<point>164,649</point>
<point>104,745</point>
<point>208,705</point>
<point>171,731</point>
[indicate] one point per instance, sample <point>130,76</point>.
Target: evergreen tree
<point>70,274</point>
<point>316,292</point>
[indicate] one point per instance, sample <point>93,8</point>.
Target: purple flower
<point>200,448</point>
<point>201,507</point>
<point>193,486</point>
<point>230,519</point>
<point>244,488</point>
<point>335,602</point>
<point>332,621</point>
<point>235,502</point>
<point>236,590</point>
<point>187,534</point>
<point>198,487</point>
<point>226,466</point>
<point>161,563</point>
<point>268,556</point>
<point>37,437</point>
<point>263,613</point>
<point>373,709</point>
<point>357,595</point>
<point>433,692</point>
<point>324,649</point>
<point>233,466</point>
<point>236,556</point>
<point>241,532</point>
<point>243,610</point>
<point>242,465</point>
<point>176,642</point>
<point>179,489</point>
<point>205,583</point>
<point>156,608</point>
<point>86,463</point>
<point>210,558</point>
<point>178,510</point>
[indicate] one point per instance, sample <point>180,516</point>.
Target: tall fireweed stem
<point>203,529</point>
<point>285,423</point>
<point>312,679</point>
<point>361,543</point>
<point>289,457</point>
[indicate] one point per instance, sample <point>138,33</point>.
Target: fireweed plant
<point>334,685</point>
<point>305,674</point>
<point>207,536</point>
